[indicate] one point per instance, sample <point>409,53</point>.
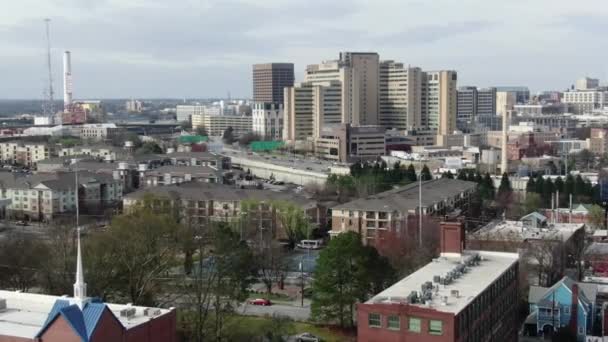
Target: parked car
<point>307,337</point>
<point>260,301</point>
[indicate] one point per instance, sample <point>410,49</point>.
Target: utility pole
<point>302,281</point>
<point>420,210</point>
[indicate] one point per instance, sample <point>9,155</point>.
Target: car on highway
<point>260,301</point>
<point>307,337</point>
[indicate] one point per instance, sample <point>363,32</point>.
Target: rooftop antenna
<point>48,108</point>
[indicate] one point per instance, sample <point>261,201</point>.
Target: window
<point>567,310</point>
<point>435,327</point>
<point>393,323</point>
<point>374,321</point>
<point>414,324</point>
<point>580,330</point>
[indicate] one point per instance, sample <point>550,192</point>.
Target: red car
<point>260,301</point>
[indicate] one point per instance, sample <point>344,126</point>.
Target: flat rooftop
<point>471,283</point>
<point>26,313</point>
<point>518,231</point>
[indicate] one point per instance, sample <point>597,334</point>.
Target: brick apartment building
<point>463,295</point>
<point>397,210</point>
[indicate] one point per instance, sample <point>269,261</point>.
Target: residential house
<point>567,304</point>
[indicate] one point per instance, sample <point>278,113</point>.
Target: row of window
<point>414,324</point>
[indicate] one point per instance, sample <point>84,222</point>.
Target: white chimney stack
<point>67,80</point>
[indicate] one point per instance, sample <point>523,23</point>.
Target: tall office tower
<point>473,101</point>
<point>270,79</point>
<point>587,83</point>
<point>298,112</point>
<point>309,107</point>
<point>439,101</point>
<point>486,101</point>
<point>466,104</point>
<point>399,96</point>
<point>505,100</point>
<point>358,74</point>
<point>364,85</point>
<point>67,81</point>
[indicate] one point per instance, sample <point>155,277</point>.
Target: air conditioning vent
<point>128,313</point>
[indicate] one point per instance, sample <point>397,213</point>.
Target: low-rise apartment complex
<point>202,203</point>
<point>45,196</point>
<point>375,216</point>
<point>24,153</point>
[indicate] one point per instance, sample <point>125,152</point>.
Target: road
<point>292,310</point>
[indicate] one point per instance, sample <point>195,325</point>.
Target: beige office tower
<point>400,96</point>
<point>310,106</point>
<point>439,100</point>
<point>358,74</point>
<point>505,100</point>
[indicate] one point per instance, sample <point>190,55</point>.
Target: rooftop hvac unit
<point>2,304</point>
<point>436,279</point>
<point>380,299</point>
<point>455,293</point>
<point>412,297</point>
<point>128,313</point>
<point>151,312</point>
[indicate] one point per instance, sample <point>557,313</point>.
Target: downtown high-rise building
<point>333,92</point>
<point>399,95</point>
<point>270,80</point>
<point>473,101</point>
<point>439,101</point>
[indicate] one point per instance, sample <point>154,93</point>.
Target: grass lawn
<point>252,324</point>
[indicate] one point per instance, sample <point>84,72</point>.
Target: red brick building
<point>460,296</point>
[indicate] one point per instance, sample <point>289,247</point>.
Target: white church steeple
<point>80,287</point>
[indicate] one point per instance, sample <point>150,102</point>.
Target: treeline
<point>582,190</point>
<point>371,178</point>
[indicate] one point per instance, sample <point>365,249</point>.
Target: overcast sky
<point>205,48</point>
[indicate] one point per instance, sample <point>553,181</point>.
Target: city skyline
<point>157,49</point>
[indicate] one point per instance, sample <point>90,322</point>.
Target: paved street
<point>292,310</point>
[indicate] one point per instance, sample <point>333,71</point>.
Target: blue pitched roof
<point>83,322</point>
<point>92,314</point>
<point>73,315</point>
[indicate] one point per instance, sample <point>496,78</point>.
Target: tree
<point>201,130</point>
<point>426,173</point>
<point>596,217</point>
<point>127,261</point>
<point>228,136</point>
<point>585,158</point>
<point>486,188</point>
<point>462,175</point>
<point>273,264</point>
<point>293,220</point>
<point>447,175</point>
<point>532,203</point>
<point>185,125</point>
<point>411,173</point>
<point>548,190</point>
<point>505,184</point>
<point>248,138</point>
<point>343,277</point>
<point>21,261</point>
<point>530,185</point>
<point>224,271</point>
<point>149,147</point>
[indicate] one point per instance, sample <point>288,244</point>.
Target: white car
<point>307,337</point>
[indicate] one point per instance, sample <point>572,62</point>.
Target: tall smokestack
<point>505,123</point>
<point>67,81</point>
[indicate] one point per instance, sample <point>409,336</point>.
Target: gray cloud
<point>206,47</point>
